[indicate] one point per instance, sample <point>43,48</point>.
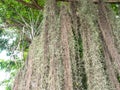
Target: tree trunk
<point>74,51</point>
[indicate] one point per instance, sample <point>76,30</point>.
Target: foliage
<point>6,36</point>
<point>11,67</point>
<point>19,24</point>
<point>115,8</point>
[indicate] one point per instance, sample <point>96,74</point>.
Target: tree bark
<point>74,51</point>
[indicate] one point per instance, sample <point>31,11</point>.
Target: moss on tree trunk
<point>74,50</point>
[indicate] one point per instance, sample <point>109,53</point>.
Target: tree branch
<point>31,5</point>
<point>35,5</point>
<point>108,1</point>
<point>95,1</point>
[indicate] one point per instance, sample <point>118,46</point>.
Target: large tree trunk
<point>48,66</point>
<point>74,50</point>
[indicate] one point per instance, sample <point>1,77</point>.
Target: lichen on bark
<point>92,55</point>
<point>73,50</point>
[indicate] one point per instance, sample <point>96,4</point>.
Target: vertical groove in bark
<point>93,58</point>
<point>79,76</point>
<point>50,30</point>
<point>110,69</point>
<point>54,48</point>
<point>106,30</point>
<point>114,20</point>
<point>28,74</point>
<point>29,71</point>
<point>109,46</point>
<point>65,30</point>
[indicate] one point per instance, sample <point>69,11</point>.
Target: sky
<point>3,75</point>
<point>3,55</point>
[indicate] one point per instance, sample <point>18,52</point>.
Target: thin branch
<point>26,37</point>
<point>36,3</point>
